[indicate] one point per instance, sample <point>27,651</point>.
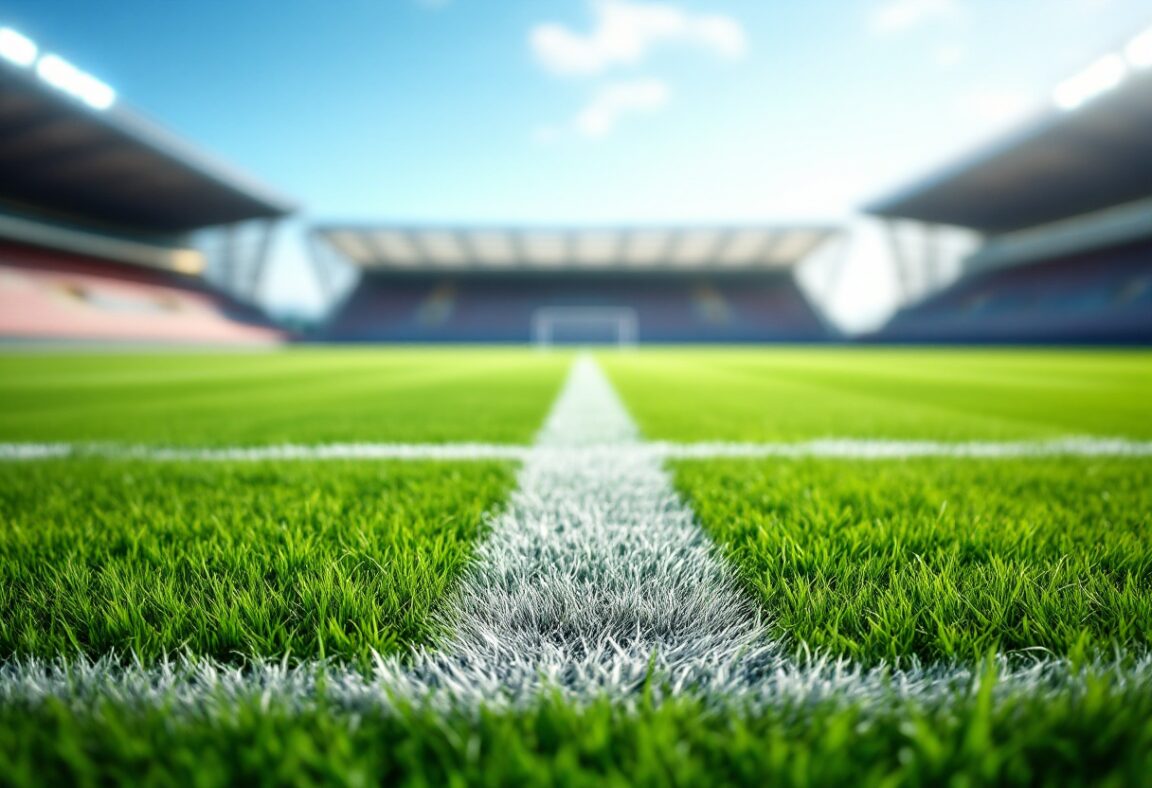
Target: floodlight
<point>62,75</point>
<point>1139,50</point>
<point>188,261</point>
<point>16,48</point>
<point>1100,77</point>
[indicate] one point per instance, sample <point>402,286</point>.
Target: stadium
<point>1065,213</point>
<point>536,501</point>
<point>98,208</point>
<point>592,285</point>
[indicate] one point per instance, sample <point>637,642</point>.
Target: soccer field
<point>672,566</point>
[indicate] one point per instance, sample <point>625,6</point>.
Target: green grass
<point>233,561</point>
<point>933,394</point>
<point>302,396</point>
<point>942,559</point>
<point>1100,736</point>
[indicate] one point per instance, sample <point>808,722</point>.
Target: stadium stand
<point>1102,296</point>
<point>97,206</point>
<point>46,294</point>
<point>1065,209</point>
<point>496,286</point>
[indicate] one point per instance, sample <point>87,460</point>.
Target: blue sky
<point>583,111</point>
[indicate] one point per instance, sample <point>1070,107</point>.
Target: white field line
<point>284,452</point>
<point>871,449</point>
<point>825,448</point>
<point>594,573</point>
<point>594,581</point>
<point>205,688</point>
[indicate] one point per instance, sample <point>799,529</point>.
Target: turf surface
<point>297,396</point>
<point>935,394</point>
<point>233,561</point>
<point>942,559</point>
<point>945,560</point>
<point>1100,736</point>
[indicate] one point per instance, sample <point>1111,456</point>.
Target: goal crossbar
<point>621,321</point>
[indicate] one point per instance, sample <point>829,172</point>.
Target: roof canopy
<point>64,158</point>
<point>490,249</point>
<point>1066,164</point>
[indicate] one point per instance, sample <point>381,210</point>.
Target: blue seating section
<point>1102,297</point>
<point>499,307</point>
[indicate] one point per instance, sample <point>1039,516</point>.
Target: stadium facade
<point>1064,207</point>
<point>484,284</point>
<point>98,208</point>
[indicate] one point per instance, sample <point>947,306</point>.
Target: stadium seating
<point>48,295</point>
<point>500,308</point>
<point>1101,297</point>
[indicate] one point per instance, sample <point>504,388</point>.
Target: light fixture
<point>62,75</point>
<point>16,48</point>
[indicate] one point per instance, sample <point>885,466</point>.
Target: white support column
<point>260,260</point>
<point>900,260</point>
<point>317,253</point>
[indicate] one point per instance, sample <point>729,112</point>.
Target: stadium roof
<point>1072,161</point>
<point>68,149</point>
<point>391,248</point>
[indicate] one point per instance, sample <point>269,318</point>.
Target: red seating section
<point>47,295</point>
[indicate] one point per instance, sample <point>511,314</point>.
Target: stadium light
<point>1100,77</point>
<point>62,75</point>
<point>1139,50</point>
<point>16,48</point>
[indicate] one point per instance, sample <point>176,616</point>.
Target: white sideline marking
<point>285,452</point>
<point>205,688</point>
<point>35,451</point>
<point>871,449</point>
<point>594,581</point>
<point>828,448</point>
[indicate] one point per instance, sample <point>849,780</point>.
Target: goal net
<point>577,325</point>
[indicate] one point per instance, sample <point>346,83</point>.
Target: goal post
<point>578,325</point>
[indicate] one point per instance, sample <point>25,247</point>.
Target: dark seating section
<point>1102,297</point>
<point>52,295</point>
<point>499,307</point>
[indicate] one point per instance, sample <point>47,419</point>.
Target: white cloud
<point>626,32</point>
<point>601,115</point>
<point>901,16</point>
